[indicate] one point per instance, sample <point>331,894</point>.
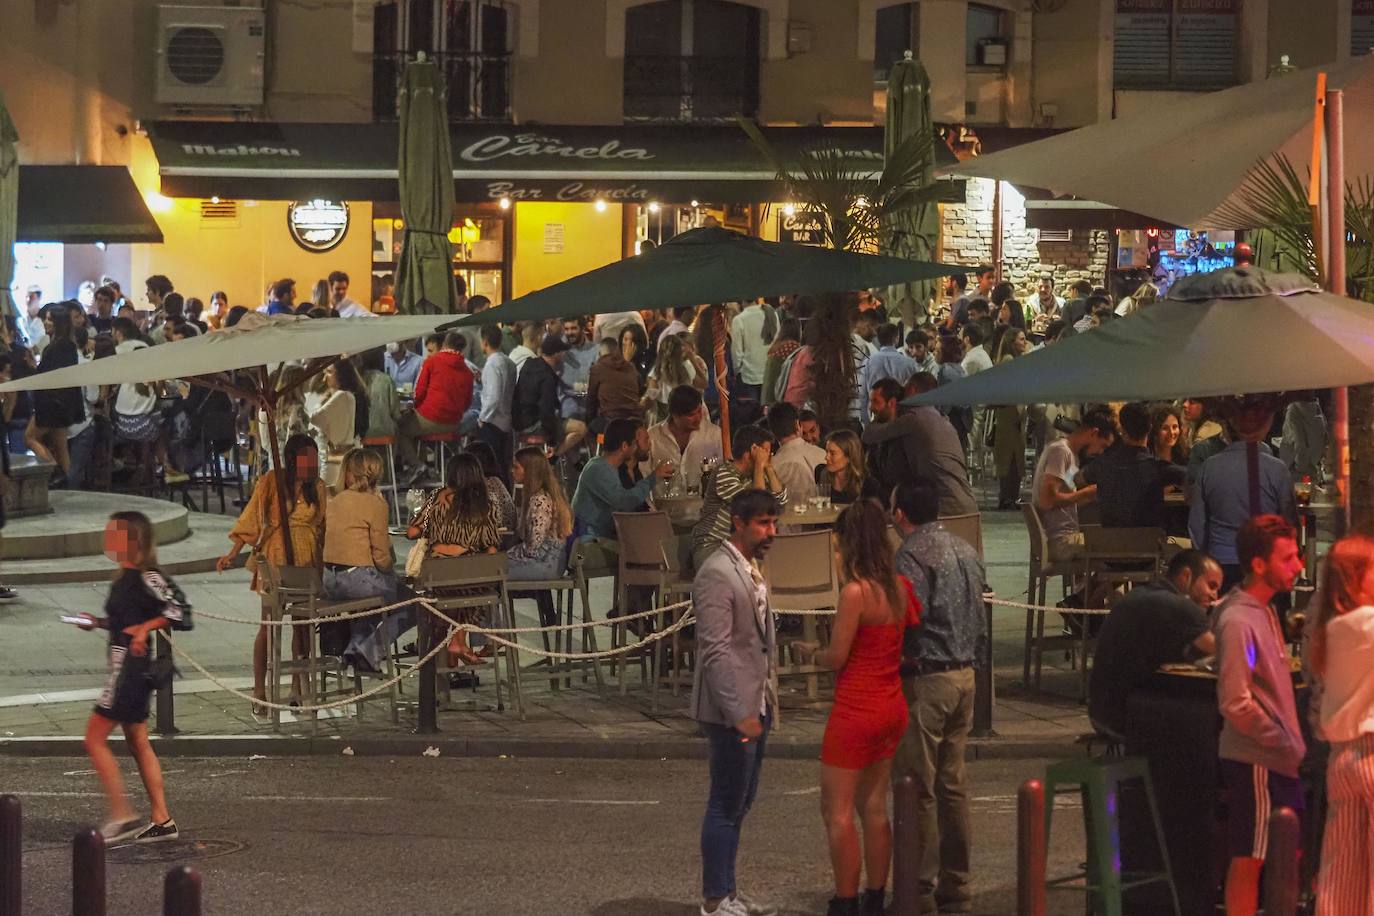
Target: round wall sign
<point>317,225</point>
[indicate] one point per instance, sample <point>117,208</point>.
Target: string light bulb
<point>505,203</point>
<point>600,205</point>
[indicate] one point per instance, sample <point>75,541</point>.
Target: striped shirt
<point>725,484</point>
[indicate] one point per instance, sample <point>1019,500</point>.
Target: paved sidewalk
<point>50,673</point>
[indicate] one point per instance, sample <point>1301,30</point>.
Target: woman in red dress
<point>869,714</point>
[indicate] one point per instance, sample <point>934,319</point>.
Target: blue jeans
<point>369,636</point>
<point>735,765</point>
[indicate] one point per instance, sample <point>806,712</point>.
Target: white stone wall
<point>966,238</point>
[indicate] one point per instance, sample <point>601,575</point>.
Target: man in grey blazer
<point>732,696</point>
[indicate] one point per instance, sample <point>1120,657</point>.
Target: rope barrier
<point>682,622</point>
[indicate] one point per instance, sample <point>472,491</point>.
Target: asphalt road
<point>453,836</point>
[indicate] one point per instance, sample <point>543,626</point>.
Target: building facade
<point>639,96</point>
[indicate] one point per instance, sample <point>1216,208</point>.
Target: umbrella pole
<point>1335,211</point>
<point>268,401</point>
<point>718,336</point>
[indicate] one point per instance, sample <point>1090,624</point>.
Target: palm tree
<point>1274,200</point>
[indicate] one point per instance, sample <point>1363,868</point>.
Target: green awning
<point>82,204</point>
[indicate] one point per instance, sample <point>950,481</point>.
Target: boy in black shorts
<point>1261,743</point>
<point>141,600</point>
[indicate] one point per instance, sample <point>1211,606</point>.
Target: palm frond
<point>1274,198</point>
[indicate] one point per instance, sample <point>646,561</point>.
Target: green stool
<point>1099,779</point>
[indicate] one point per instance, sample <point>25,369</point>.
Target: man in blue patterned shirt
<point>937,676</point>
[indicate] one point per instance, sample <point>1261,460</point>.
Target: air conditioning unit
<point>210,56</point>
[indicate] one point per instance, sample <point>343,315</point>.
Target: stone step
<point>206,540</point>
<point>76,525</point>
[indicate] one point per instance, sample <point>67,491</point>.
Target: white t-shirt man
<point>796,463</point>
<point>349,309</point>
<point>976,360</point>
<point>1059,462</point>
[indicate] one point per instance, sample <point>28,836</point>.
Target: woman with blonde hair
<point>358,559</point>
<point>844,470</point>
<point>674,366</point>
<point>544,526</point>
<point>1340,653</point>
<point>1145,295</point>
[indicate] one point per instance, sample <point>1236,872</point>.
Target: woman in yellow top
<point>259,528</point>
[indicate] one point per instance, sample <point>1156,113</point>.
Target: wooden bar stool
<point>388,443</point>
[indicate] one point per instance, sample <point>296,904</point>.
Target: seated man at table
<point>1130,480</point>
<point>686,437</point>
<point>1159,623</point>
<point>797,459</point>
<point>752,468</point>
<point>599,491</point>
<point>1056,489</point>
<point>536,407</point>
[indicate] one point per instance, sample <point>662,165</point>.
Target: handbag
<point>416,557</point>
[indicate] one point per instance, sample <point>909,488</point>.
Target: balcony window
<point>898,31</point>
<point>470,40</point>
<point>1176,44</point>
<point>985,26</point>
<point>691,60</point>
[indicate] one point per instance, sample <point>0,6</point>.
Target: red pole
<point>11,856</point>
<point>1281,865</point>
<point>906,848</point>
<point>88,873</point>
<point>1335,282</point>
<point>1030,849</point>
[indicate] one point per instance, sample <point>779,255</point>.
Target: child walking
<point>141,600</point>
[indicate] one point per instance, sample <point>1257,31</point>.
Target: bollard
<point>88,873</point>
<point>181,892</point>
<point>165,711</point>
<point>983,693</point>
<point>1281,865</point>
<point>1030,849</point>
<point>427,717</point>
<point>11,856</point>
<point>906,847</point>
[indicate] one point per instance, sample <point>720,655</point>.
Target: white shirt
<point>704,443</point>
<point>1347,706</point>
<point>519,355</point>
<point>976,360</point>
<point>347,308</point>
<point>129,402</point>
<point>746,340</point>
<point>613,324</point>
<point>33,330</point>
<point>796,463</point>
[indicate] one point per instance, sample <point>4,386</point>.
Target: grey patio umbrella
<point>424,276</point>
<point>1230,332</point>
<point>913,232</point>
<point>9,207</point>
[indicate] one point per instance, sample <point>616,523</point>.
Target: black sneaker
<point>157,833</point>
<point>8,594</point>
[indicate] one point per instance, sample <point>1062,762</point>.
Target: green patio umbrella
<point>424,276</point>
<point>9,207</point>
<point>709,265</point>
<point>912,232</point>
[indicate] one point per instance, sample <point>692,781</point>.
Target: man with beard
<point>732,697</point>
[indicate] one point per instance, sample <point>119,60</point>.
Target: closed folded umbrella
<point>9,208</point>
<point>1230,332</point>
<point>709,265</point>
<point>1184,163</point>
<point>424,275</point>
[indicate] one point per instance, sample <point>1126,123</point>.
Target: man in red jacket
<point>443,392</point>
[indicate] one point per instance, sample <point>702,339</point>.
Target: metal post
<point>427,720</point>
<point>984,693</point>
<point>11,856</point>
<point>906,848</point>
<point>1030,849</point>
<point>88,873</point>
<point>181,892</point>
<point>1336,279</point>
<point>166,705</point>
<point>1281,865</point>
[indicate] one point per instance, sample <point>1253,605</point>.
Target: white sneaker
<point>118,831</point>
<point>752,908</point>
<point>726,907</point>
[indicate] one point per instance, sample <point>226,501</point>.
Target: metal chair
<point>388,443</point>
<point>296,592</point>
<point>475,580</point>
<point>572,582</point>
<point>1042,569</point>
<point>649,558</point>
<point>801,576</point>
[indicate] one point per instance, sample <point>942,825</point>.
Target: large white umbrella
<point>1183,163</point>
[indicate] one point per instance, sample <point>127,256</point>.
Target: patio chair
<point>649,557</point>
<point>1041,570</point>
<point>801,576</point>
<point>572,583</point>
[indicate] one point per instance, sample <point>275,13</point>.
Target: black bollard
<point>181,892</point>
<point>1030,849</point>
<point>11,856</point>
<point>906,847</point>
<point>1281,865</point>
<point>984,695</point>
<point>88,873</point>
<point>427,720</point>
<point>165,711</point>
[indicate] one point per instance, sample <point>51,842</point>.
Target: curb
<point>456,746</point>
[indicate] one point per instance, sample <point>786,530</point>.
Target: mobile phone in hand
<point>77,620</point>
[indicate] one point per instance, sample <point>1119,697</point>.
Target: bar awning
<point>632,163</point>
<point>1045,211</point>
<point>82,204</point>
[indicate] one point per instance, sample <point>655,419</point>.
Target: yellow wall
<point>591,239</point>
